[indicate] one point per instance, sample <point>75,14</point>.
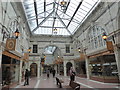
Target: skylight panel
<point>62,19</point>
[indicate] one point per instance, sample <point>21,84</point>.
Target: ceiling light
<point>63,3</point>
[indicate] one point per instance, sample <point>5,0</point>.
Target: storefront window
<point>10,70</point>
<point>80,67</point>
<point>103,66</point>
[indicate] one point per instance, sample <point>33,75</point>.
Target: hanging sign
<point>109,45</point>
<point>11,44</point>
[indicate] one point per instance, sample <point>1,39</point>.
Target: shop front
<point>10,69</point>
<point>104,68</point>
<point>80,68</point>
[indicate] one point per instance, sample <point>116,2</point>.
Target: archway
<point>68,66</point>
<point>33,69</point>
<point>51,55</point>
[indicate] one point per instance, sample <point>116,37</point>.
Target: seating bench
<point>59,82</point>
<point>74,85</point>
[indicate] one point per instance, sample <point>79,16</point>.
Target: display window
<point>104,67</point>
<point>10,70</point>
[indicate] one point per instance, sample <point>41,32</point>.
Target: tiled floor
<point>44,82</point>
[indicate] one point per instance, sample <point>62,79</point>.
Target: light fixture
<point>29,49</point>
<point>55,30</point>
<point>58,56</point>
<point>79,50</point>
<point>17,33</point>
<point>104,36</point>
<point>63,3</point>
<point>44,56</point>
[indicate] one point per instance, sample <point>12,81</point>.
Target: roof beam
<point>63,24</point>
<point>50,27</point>
<point>35,6</point>
<point>75,12</point>
<point>42,22</point>
<point>44,5</point>
<point>54,17</point>
<point>69,15</point>
<point>67,6</point>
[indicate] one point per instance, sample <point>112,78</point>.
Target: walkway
<point>44,82</point>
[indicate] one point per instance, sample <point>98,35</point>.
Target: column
<point>64,65</point>
<point>73,63</point>
<point>87,67</point>
<point>20,73</point>
<point>117,56</point>
<point>0,55</point>
<point>38,70</point>
<point>41,69</point>
<point>0,68</point>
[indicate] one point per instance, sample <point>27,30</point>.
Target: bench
<point>59,82</point>
<point>74,85</point>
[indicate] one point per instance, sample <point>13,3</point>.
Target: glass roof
<point>50,17</point>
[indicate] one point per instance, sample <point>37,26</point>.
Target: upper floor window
<point>95,39</point>
<point>35,48</point>
<point>67,48</point>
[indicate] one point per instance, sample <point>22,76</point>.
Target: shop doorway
<point>33,69</point>
<point>68,66</point>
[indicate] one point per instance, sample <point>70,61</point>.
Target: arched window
<point>95,39</point>
<point>13,26</point>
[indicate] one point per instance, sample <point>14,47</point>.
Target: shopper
<point>27,75</point>
<point>72,74</point>
<point>53,73</point>
<point>48,72</point>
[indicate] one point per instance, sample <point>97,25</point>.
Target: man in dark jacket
<point>27,74</point>
<point>53,72</point>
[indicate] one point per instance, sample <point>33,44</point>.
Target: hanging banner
<point>11,44</point>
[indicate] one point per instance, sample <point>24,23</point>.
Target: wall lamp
<point>109,44</point>
<point>79,50</point>
<point>17,33</point>
<point>29,50</point>
<point>104,36</point>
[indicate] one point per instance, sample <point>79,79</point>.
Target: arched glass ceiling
<point>46,15</point>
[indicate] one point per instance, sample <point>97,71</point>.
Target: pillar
<point>87,67</point>
<point>73,63</point>
<point>117,56</point>
<point>0,68</point>
<point>38,70</point>
<point>64,65</point>
<point>20,73</point>
<point>41,69</point>
<point>0,56</point>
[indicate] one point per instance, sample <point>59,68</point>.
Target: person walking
<point>53,73</point>
<point>27,75</point>
<point>72,74</point>
<point>48,72</point>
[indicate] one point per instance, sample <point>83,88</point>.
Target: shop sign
<point>11,44</point>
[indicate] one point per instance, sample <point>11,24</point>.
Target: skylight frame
<point>76,19</point>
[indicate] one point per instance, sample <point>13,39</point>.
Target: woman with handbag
<point>72,74</point>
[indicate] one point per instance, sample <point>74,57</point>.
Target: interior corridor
<point>44,82</point>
